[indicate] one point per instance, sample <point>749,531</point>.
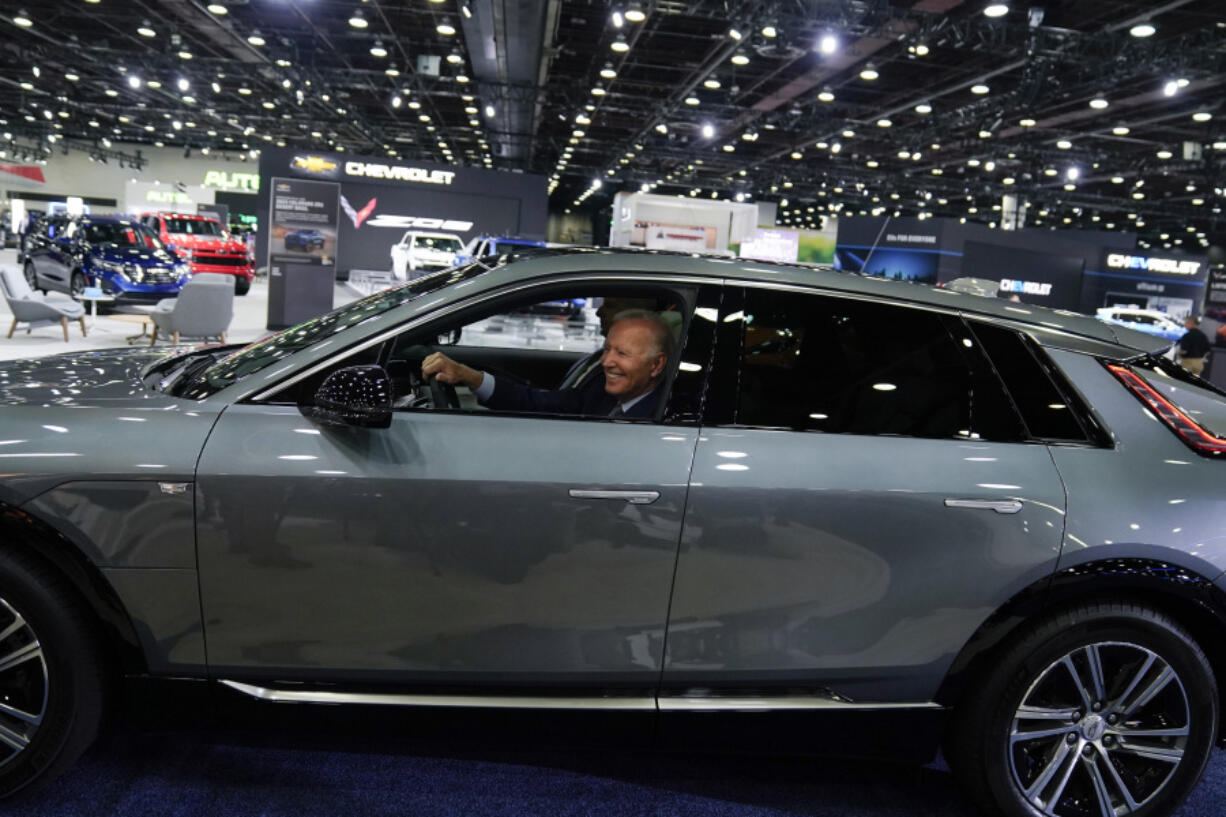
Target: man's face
<point>631,361</point>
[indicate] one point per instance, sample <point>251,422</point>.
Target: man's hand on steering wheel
<point>442,374</point>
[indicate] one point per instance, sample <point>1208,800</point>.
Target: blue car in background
<point>484,245</point>
<point>123,257</point>
<point>307,239</point>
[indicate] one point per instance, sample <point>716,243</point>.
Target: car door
<point>457,545</point>
<point>863,497</point>
<point>55,257</point>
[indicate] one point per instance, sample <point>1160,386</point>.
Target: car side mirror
<point>358,396</point>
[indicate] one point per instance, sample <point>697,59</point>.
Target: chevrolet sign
<point>400,173</point>
<point>1169,265</point>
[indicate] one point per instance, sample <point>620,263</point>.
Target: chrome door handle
<point>998,505</point>
<point>633,497</point>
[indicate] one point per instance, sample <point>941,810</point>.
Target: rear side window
<point>1046,410</point>
<point>822,363</point>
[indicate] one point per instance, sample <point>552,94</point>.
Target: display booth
<point>1081,270</point>
<point>657,222</point>
<point>332,214</point>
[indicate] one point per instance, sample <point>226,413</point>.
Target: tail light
<point>1197,438</point>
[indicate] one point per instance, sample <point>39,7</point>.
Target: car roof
<point>1050,326</point>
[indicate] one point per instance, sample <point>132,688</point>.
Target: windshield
<point>122,234</point>
<point>276,347</point>
<point>444,244</point>
<point>192,226</point>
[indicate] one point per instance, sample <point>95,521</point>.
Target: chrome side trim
<point>262,394</point>
<point>633,497</point>
<point>782,703</point>
<point>998,505</point>
<point>645,704</point>
<point>636,703</point>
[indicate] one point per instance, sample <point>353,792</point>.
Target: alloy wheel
<point>1101,731</point>
<point>23,684</point>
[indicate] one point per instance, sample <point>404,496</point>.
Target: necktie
<point>617,411</point>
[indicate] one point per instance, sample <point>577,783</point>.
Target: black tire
<point>53,665</point>
<point>1028,740</point>
<point>77,284</point>
<point>241,285</point>
<point>31,275</point>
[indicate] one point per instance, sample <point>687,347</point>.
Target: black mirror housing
<point>358,396</point>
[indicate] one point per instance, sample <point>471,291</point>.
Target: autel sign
<point>372,170</point>
<point>1140,262</point>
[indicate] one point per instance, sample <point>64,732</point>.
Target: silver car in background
<point>995,527</point>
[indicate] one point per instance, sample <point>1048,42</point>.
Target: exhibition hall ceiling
<point>1103,114</point>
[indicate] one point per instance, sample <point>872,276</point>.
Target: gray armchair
<point>203,309</point>
<point>34,309</point>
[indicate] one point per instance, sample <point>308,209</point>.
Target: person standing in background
<point>1193,346</point>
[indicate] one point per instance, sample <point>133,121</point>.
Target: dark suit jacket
<point>590,399</point>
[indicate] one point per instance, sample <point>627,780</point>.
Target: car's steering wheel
<point>431,393</point>
<point>442,395</point>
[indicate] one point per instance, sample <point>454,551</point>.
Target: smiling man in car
<point>636,354</point>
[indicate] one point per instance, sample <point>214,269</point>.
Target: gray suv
<point>994,526</point>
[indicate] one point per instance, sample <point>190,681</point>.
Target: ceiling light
<point>740,58</point>
<point>711,83</point>
<point>985,134</point>
<point>1027,122</point>
<point>255,38</point>
<point>23,19</point>
<point>996,9</point>
<point>133,81</point>
<point>598,91</point>
<point>377,50</point>
<point>1202,116</point>
<point>884,123</point>
<point>1143,29</point>
<point>635,13</point>
<point>397,101</point>
<point>661,128</point>
<point>691,100</point>
<point>1120,130</point>
<point>217,8</point>
<point>1164,154</point>
<point>826,95</point>
<point>1072,173</point>
<point>153,83</point>
<point>869,73</point>
<point>1099,103</point>
<point>1170,88</point>
<point>608,72</point>
<point>921,50</point>
<point>1064,144</point>
<point>392,71</point>
<point>489,111</point>
<point>979,88</point>
<point>734,34</point>
<point>145,30</point>
<point>71,77</point>
<point>185,55</point>
<point>828,44</point>
<point>923,108</point>
<point>770,31</point>
<point>446,29</point>
<point>357,20</point>
<point>461,78</point>
<point>620,45</point>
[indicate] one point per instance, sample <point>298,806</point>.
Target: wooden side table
<point>143,320</point>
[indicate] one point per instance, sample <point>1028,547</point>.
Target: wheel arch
<point>24,532</point>
<point>1189,598</point>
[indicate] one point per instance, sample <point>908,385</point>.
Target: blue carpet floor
<point>206,773</point>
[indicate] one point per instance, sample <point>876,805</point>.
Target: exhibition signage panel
<point>302,250</point>
<point>1168,282</point>
<point>782,246</point>
<point>1029,276</point>
<point>382,198</point>
<point>901,249</point>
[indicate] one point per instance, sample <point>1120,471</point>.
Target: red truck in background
<point>205,244</point>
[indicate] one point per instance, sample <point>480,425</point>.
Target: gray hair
<point>662,330</point>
